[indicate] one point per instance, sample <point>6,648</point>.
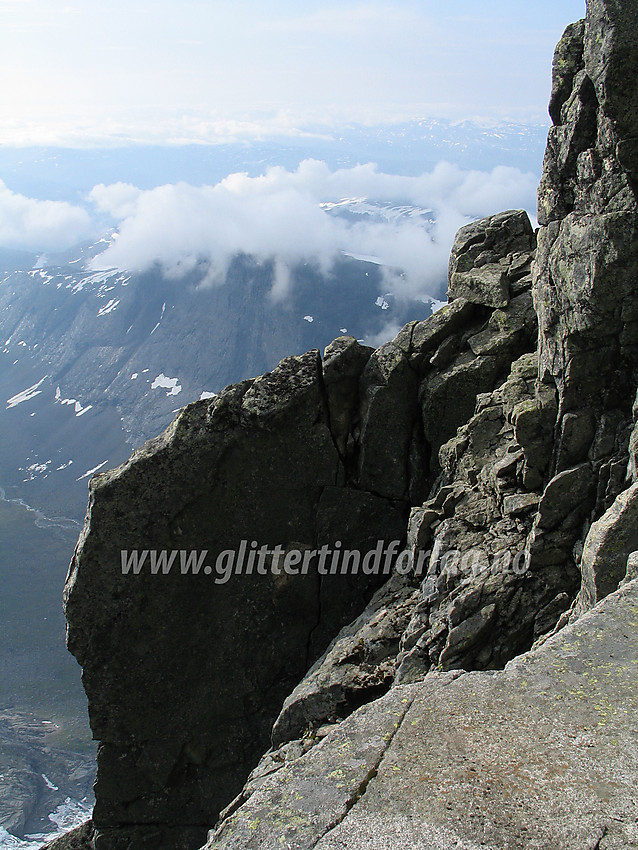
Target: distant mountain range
<point>410,148</point>
<point>94,363</point>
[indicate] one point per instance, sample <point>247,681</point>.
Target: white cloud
<point>279,215</point>
<point>117,199</point>
<point>30,224</point>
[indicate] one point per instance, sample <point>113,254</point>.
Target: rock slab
<point>542,755</point>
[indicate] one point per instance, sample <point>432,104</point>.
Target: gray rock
<point>535,755</point>
<point>186,672</point>
<point>577,433</point>
<point>568,59</point>
<point>343,362</point>
<point>586,251</point>
<point>484,254</point>
<point>389,412</point>
<point>632,568</point>
<point>448,398</point>
<point>534,421</point>
<point>307,808</point>
<point>467,634</point>
<point>418,340</point>
<point>611,58</point>
<point>358,666</point>
<point>520,503</point>
<point>609,544</point>
<point>566,492</point>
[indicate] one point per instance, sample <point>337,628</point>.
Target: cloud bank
<point>406,224</point>
<point>29,224</point>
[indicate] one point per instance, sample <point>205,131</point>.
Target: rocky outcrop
<point>545,453</point>
<point>78,839</point>
<point>488,261</point>
<point>608,546</point>
<point>185,664</point>
<point>497,441</point>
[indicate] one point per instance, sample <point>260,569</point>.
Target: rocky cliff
<point>496,442</point>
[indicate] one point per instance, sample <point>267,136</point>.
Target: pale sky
<point>205,70</point>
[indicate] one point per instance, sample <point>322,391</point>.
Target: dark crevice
<point>309,655</point>
<point>309,659</point>
<point>323,392</point>
<point>600,838</point>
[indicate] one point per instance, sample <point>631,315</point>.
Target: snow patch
<point>92,471</point>
<point>381,302</point>
<point>364,258</point>
<point>171,384</point>
<point>79,408</point>
<point>108,307</point>
<point>48,783</point>
<point>160,318</point>
<point>206,395</point>
<point>25,395</point>
<point>35,469</point>
<point>309,319</point>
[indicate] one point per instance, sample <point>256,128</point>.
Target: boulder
<point>610,542</point>
<point>486,258</point>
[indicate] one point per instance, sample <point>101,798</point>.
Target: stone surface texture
<point>541,755</point>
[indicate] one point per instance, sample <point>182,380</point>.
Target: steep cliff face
<point>184,669</point>
<point>185,665</point>
<point>497,439</point>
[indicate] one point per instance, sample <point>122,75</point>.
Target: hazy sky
<point>207,69</point>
